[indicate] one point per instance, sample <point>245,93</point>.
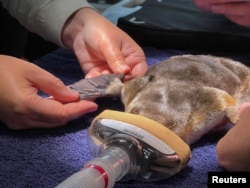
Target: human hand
<point>101,47</point>
<point>20,105</point>
<point>237,11</point>
<point>233,150</point>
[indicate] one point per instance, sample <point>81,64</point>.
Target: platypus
<point>189,94</point>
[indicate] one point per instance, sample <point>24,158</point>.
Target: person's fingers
<point>228,1</point>
<point>116,61</point>
<point>51,85</point>
<point>236,12</point>
<point>244,106</point>
<point>95,73</point>
<point>126,58</point>
<point>48,113</point>
<point>139,69</point>
<point>56,111</point>
<point>241,20</point>
<point>203,4</point>
<point>234,9</point>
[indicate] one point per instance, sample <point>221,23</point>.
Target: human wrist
<point>75,24</point>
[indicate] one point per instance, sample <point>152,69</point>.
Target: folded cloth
<point>44,158</point>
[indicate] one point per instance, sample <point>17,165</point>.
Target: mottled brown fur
<point>189,94</point>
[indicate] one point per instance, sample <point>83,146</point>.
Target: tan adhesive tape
<point>154,128</point>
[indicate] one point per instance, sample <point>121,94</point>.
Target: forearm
<point>44,17</point>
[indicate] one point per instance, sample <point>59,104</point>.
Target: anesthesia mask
<point>127,146</point>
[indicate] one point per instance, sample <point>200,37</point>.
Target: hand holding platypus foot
<point>189,94</point>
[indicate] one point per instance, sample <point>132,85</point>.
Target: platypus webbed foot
<point>101,86</point>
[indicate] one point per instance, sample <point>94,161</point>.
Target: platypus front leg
<point>101,86</point>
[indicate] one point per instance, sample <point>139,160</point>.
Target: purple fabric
<point>44,158</point>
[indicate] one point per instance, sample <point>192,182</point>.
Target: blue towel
<point>44,158</point>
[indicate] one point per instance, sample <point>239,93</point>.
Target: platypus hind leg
<point>100,86</point>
